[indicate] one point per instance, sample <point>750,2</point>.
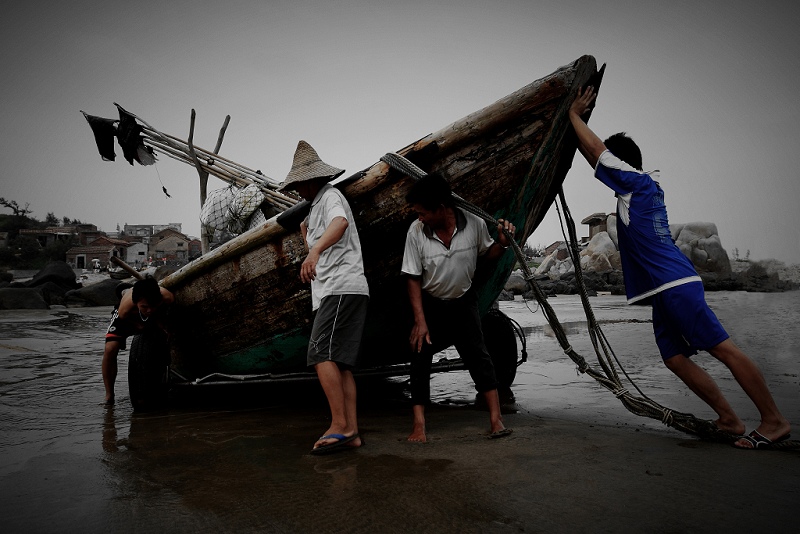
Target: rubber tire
<point>501,342</point>
<point>148,371</point>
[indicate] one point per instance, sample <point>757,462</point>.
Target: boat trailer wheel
<point>500,334</point>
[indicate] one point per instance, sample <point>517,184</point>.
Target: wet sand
<point>236,460</point>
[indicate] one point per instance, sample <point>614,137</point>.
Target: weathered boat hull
<point>243,307</point>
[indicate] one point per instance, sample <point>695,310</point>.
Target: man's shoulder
<point>415,227</point>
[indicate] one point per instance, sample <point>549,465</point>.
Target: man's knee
<point>676,363</point>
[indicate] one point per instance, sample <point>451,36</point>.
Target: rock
<point>699,241</point>
<point>57,272</point>
<point>505,295</point>
<point>22,298</point>
<point>52,293</point>
<point>546,265</point>
<point>601,243</point>
<point>598,263</point>
<point>516,283</point>
<point>564,267</point>
<point>99,294</point>
<point>611,228</point>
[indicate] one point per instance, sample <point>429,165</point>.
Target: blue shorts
<point>683,323</point>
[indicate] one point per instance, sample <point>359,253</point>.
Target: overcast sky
<point>708,90</point>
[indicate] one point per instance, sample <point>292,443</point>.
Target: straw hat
<point>307,166</point>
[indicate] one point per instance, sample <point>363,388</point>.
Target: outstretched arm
<point>589,145</point>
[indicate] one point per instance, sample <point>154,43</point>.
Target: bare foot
<point>109,400</point>
<point>418,434</point>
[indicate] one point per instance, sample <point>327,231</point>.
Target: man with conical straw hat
<point>339,292</point>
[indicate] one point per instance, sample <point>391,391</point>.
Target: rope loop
<point>666,417</point>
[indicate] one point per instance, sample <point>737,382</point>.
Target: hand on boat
<point>583,102</point>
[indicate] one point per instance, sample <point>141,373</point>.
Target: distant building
<point>561,248</point>
<point>149,230</point>
<point>136,254</point>
<point>169,245</point>
<point>78,233</point>
<point>83,257</point>
<point>598,222</point>
<point>138,230</point>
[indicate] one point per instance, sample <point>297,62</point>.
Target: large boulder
<point>611,228</point>
<point>516,283</point>
<point>102,293</point>
<point>22,298</point>
<point>52,293</point>
<point>699,241</point>
<point>596,256</point>
<point>57,272</point>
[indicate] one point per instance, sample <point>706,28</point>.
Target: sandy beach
<point>236,460</point>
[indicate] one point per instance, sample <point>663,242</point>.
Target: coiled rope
<point>608,377</point>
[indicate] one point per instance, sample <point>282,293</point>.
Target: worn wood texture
<point>249,311</point>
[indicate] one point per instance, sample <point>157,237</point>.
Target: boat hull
<point>242,307</point>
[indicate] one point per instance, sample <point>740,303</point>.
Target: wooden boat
<point>243,309</point>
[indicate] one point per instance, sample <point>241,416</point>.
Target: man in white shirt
<point>441,253</point>
<point>339,292</point>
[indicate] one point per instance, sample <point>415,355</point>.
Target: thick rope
<point>608,377</point>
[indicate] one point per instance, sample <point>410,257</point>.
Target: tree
<point>18,211</point>
<point>51,219</point>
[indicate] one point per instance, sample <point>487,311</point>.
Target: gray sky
<point>706,89</point>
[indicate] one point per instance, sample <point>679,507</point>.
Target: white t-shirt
<point>446,273</point>
<point>340,270</point>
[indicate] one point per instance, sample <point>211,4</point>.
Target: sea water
<point>69,464</point>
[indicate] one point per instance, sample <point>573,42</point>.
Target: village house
<point>89,256</point>
<point>169,245</point>
<point>136,254</point>
<point>79,233</point>
<point>148,230</point>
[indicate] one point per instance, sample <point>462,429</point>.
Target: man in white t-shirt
<point>339,292</point>
<point>440,257</point>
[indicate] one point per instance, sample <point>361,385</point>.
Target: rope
<point>608,377</point>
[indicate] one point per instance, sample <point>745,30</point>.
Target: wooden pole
<point>125,267</point>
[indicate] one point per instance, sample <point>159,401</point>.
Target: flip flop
<point>760,441</point>
<point>341,443</point>
<point>500,433</point>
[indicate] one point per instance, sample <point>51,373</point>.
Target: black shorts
<point>337,331</point>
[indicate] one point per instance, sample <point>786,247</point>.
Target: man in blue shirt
<point>657,273</point>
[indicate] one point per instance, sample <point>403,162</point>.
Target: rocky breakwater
<point>602,269</point>
<point>56,285</point>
